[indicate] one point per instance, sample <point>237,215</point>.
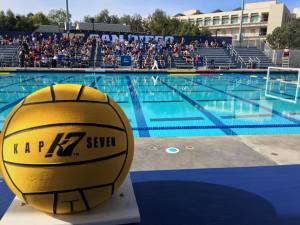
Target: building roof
<point>217,11</point>
<point>47,29</point>
<point>179,14</point>
<point>103,27</point>
<point>237,9</point>
<point>192,12</point>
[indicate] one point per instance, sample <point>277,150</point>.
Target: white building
<point>297,12</point>
<point>259,19</point>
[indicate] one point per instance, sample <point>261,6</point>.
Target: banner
<point>125,60</point>
<point>111,37</point>
<point>147,38</point>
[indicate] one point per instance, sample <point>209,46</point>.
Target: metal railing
<point>258,61</point>
<point>241,61</point>
<point>8,61</point>
<point>252,62</point>
<point>96,54</point>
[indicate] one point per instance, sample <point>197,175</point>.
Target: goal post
<point>283,84</point>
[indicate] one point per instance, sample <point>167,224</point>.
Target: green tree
<point>103,17</point>
<point>160,23</point>
<point>10,22</point>
<point>24,23</point>
<point>40,18</point>
<point>58,16</point>
<point>2,20</point>
<point>114,19</point>
<point>135,22</point>
<point>157,23</point>
<point>87,19</point>
<point>286,36</point>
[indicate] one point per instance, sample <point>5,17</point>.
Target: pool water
<point>171,106</point>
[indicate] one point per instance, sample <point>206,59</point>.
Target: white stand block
<point>118,210</point>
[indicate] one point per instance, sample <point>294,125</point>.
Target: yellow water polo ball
<point>66,149</point>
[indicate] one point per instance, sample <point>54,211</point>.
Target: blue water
<point>214,105</point>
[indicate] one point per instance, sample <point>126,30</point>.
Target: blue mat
<point>235,196</point>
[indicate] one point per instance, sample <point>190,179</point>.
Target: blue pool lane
<point>166,106</point>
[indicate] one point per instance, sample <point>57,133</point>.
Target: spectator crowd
<point>53,51</point>
<point>39,50</point>
<point>154,54</point>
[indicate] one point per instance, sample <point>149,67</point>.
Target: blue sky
<point>80,8</point>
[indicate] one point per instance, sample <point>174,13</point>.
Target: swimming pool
<point>170,106</point>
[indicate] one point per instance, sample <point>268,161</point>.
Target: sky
<point>81,8</point>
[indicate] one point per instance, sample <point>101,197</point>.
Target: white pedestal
<point>118,210</point>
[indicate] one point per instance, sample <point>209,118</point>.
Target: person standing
<point>196,60</point>
<point>170,61</point>
<point>155,63</point>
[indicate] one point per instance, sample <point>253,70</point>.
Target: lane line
<point>138,111</point>
<point>201,109</point>
<point>176,119</point>
<point>218,127</point>
<point>273,111</point>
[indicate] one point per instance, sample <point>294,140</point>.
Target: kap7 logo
<point>64,145</point>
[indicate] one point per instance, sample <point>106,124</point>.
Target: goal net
<point>283,84</point>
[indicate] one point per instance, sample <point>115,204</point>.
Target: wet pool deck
<point>216,152</point>
<point>230,180</point>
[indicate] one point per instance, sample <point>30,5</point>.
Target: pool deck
<point>130,70</point>
<point>216,152</point>
<point>243,180</point>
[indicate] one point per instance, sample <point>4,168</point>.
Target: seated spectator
<point>55,50</point>
<point>188,59</point>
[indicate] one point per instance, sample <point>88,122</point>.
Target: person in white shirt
<point>155,63</point>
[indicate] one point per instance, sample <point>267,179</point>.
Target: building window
<point>224,32</point>
<point>264,17</point>
<point>191,21</point>
<point>216,21</point>
<point>234,31</point>
<point>252,32</point>
<point>254,18</point>
<point>207,21</point>
<point>245,18</point>
<point>263,31</point>
<point>225,20</point>
<point>234,19</point>
<point>200,21</point>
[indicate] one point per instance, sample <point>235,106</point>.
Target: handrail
<point>258,61</point>
<point>96,54</point>
<point>241,60</point>
<point>231,50</point>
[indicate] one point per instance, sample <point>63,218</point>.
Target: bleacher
<point>98,57</point>
<point>93,53</point>
<point>8,55</point>
<point>179,63</point>
<point>253,54</point>
<point>217,58</point>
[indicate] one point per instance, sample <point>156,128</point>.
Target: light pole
<point>241,23</point>
<point>93,22</point>
<point>67,17</point>
<point>217,30</point>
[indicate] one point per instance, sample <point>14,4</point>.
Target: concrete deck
<point>216,152</point>
<point>130,70</point>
